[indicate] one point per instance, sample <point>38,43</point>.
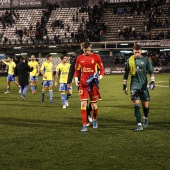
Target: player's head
<point>22,59</point>
<point>32,57</point>
<point>86,48</point>
<point>137,50</point>
<point>63,58</point>
<point>10,58</point>
<point>49,57</point>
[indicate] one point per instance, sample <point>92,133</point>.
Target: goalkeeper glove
<point>125,88</point>
<point>151,85</point>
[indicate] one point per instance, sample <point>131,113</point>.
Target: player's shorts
<point>33,78</point>
<point>140,95</point>
<point>47,83</point>
<point>94,94</point>
<point>63,87</point>
<point>11,78</point>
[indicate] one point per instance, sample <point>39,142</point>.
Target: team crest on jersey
<point>92,61</point>
<point>142,62</point>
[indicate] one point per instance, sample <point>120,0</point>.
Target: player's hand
<point>100,77</point>
<point>151,85</point>
<point>45,76</point>
<point>69,85</point>
<point>55,84</point>
<point>125,89</point>
<point>76,81</point>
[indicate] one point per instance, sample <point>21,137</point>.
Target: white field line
<point>161,86</point>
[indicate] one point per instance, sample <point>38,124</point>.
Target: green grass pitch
<point>43,136</point>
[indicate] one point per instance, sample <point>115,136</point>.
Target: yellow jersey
<point>63,70</point>
<point>11,66</point>
<point>35,65</point>
<point>47,67</point>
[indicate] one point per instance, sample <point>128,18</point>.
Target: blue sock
<point>51,95</point>
<point>32,88</point>
<point>63,98</point>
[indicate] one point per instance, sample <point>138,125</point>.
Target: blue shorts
<point>11,78</point>
<point>47,83</point>
<point>63,87</point>
<point>33,78</point>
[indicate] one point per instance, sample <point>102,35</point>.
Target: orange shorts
<point>94,94</point>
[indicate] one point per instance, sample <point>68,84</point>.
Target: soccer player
<point>47,73</point>
<point>62,70</point>
<point>34,74</point>
<point>22,71</point>
<point>138,66</point>
<point>69,83</point>
<point>89,63</point>
<point>11,76</point>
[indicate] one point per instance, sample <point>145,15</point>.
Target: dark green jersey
<point>139,80</point>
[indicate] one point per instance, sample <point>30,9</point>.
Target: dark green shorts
<point>142,95</point>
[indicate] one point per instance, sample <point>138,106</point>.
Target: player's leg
<point>50,84</point>
<point>62,88</point>
<point>9,79</point>
<point>145,98</point>
<point>137,113</point>
<point>89,109</point>
<point>83,93</point>
<point>135,97</point>
<point>44,83</point>
<point>94,97</point>
<point>36,82</point>
<point>32,87</point>
<point>69,93</point>
<point>95,113</point>
<point>16,83</point>
<point>84,115</point>
<point>63,99</point>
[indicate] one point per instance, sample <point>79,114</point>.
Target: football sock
<point>51,94</point>
<point>68,96</point>
<point>32,88</point>
<point>43,94</point>
<point>137,113</point>
<point>63,98</point>
<point>95,111</point>
<point>84,115</point>
<point>146,111</point>
<point>8,88</point>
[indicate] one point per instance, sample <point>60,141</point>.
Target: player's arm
<point>125,78</point>
<point>38,69</point>
<point>56,77</point>
<point>15,71</point>
<point>101,68</point>
<point>76,73</point>
<point>150,69</point>
<point>42,71</point>
<point>5,62</point>
<point>71,71</point>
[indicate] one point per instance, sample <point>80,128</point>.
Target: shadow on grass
<point>38,123</point>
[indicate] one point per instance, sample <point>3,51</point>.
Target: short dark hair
<point>136,47</point>
<point>62,56</point>
<point>48,56</point>
<point>85,44</point>
<point>10,57</point>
